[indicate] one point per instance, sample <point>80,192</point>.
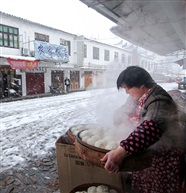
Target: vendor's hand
<point>113,159</point>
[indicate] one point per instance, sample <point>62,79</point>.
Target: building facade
<point>36,57</point>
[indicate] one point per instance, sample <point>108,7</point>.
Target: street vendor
<point>157,126</point>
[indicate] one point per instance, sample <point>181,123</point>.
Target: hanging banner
<point>51,52</point>
<point>22,64</point>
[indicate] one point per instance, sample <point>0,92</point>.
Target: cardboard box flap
<point>74,171</point>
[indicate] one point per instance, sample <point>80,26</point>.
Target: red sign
<point>22,64</point>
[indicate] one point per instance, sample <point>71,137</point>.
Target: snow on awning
<point>21,62</point>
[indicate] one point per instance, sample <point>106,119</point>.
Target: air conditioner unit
<point>32,53</point>
<point>25,52</point>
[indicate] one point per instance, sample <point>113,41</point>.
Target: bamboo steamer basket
<point>84,187</point>
<point>93,154</point>
<point>70,134</point>
<point>71,137</point>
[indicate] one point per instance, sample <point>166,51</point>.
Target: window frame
<point>116,57</point>
<point>95,53</point>
<point>64,42</point>
<point>41,37</point>
<point>106,55</point>
<point>85,51</point>
<point>123,58</point>
<point>9,36</point>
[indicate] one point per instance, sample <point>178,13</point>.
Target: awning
<point>158,26</point>
<point>21,62</point>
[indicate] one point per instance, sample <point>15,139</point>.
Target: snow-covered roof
<point>18,57</point>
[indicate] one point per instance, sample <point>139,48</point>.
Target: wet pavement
<point>38,175</point>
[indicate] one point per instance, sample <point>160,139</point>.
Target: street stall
<point>79,166</point>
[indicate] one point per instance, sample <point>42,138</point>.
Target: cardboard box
<point>74,171</point>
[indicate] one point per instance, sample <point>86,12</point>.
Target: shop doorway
<point>34,83</point>
<point>74,80</point>
<point>88,78</point>
<point>6,77</point>
<point>57,78</point>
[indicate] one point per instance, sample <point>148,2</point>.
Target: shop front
<point>57,78</point>
<point>52,53</point>
<point>7,74</point>
<point>34,83</point>
<point>74,80</point>
<point>88,79</point>
<point>10,81</point>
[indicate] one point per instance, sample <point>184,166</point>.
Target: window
<point>123,58</point>
<point>95,53</point>
<point>85,51</point>
<point>9,36</point>
<point>107,55</point>
<point>1,39</point>
<point>66,43</point>
<point>41,37</point>
<point>129,60</point>
<point>116,59</point>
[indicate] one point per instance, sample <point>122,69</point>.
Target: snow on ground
<point>30,128</point>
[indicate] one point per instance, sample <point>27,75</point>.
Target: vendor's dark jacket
<point>160,108</point>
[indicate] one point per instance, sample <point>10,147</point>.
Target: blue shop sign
<point>51,52</point>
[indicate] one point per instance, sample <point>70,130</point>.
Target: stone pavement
<point>38,175</point>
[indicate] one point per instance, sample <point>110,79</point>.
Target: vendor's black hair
<point>134,76</point>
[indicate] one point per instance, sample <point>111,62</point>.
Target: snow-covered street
<point>29,128</point>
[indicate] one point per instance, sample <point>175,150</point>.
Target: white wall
<point>102,47</point>
<point>27,31</point>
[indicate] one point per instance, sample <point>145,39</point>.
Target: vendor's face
<point>135,92</point>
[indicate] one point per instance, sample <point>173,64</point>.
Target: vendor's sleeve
<point>142,137</point>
